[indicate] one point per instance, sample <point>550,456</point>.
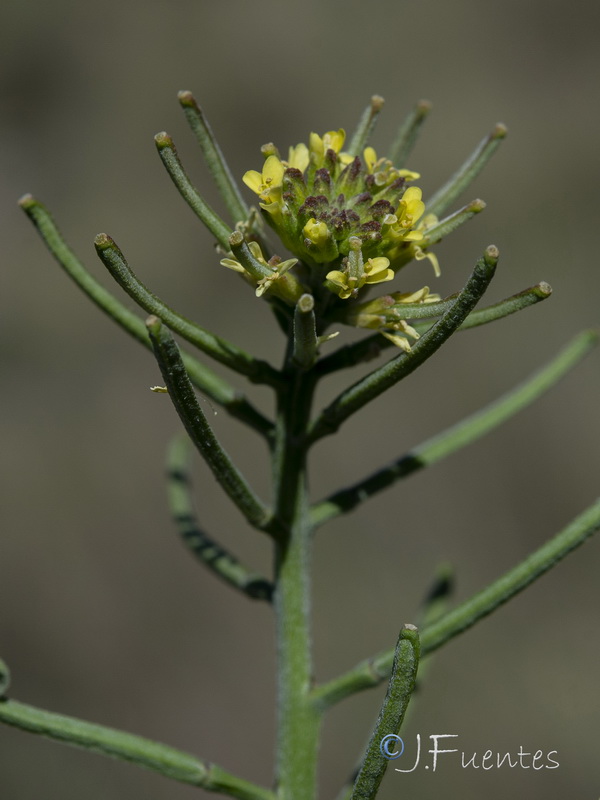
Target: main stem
<point>298,719</point>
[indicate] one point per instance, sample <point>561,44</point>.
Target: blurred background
<point>105,616</point>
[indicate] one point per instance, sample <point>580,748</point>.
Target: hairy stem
<point>220,349</point>
<point>373,671</point>
<point>215,160</point>
<point>298,720</point>
<point>391,716</point>
<point>168,761</point>
<point>370,387</point>
<point>218,560</point>
<point>200,432</point>
<point>201,376</point>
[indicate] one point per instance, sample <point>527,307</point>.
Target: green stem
<point>463,433</point>
<point>370,347</point>
<point>286,286</point>
<point>408,133</point>
<point>467,173</point>
<point>450,223</point>
<point>518,302</point>
<point>194,420</point>
<point>208,552</point>
<point>391,716</point>
<point>364,129</point>
<point>202,377</point>
<point>373,671</point>
<point>298,720</point>
<point>306,342</point>
<point>433,606</point>
<point>214,157</point>
<point>221,350</point>
<point>168,761</point>
<point>367,389</point>
<point>170,159</point>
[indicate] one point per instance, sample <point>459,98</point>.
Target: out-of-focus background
<point>105,616</point>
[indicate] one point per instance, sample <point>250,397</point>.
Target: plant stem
<point>200,432</point>
<point>351,355</point>
<point>374,384</point>
<point>298,719</point>
<point>391,716</point>
<point>201,376</point>
<point>459,435</point>
<point>220,349</point>
<point>306,342</point>
<point>449,224</point>
<point>168,761</point>
<point>207,551</point>
<point>373,671</point>
<point>408,133</point>
<point>170,159</point>
<point>467,172</point>
<point>364,129</point>
<point>215,160</point>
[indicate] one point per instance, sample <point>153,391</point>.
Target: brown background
<point>104,614</point>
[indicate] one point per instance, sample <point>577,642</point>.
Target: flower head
<point>351,219</point>
<point>267,184</point>
<point>356,273</point>
<point>322,197</point>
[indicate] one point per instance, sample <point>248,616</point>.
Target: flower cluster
<point>349,219</point>
<point>326,205</point>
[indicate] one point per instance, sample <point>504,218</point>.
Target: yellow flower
<point>401,341</point>
<point>420,254</point>
<point>422,295</point>
<point>375,270</point>
<point>401,224</point>
<point>318,146</point>
<point>298,157</point>
<point>263,284</point>
<point>383,169</point>
<point>267,184</point>
<point>428,221</point>
<point>317,232</point>
<point>230,263</point>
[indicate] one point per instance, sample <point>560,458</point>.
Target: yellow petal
<point>413,236</point>
<point>315,145</point>
<point>420,296</point>
<point>337,277</point>
<point>231,264</point>
<point>380,277</point>
<point>412,193</point>
<point>256,252</point>
<point>421,254</point>
<point>399,341</point>
<point>409,175</point>
<point>298,157</point>
<point>273,171</point>
<point>334,140</point>
<point>253,180</point>
<point>376,265</point>
<point>370,157</point>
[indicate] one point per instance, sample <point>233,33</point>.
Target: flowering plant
<point>349,221</point>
